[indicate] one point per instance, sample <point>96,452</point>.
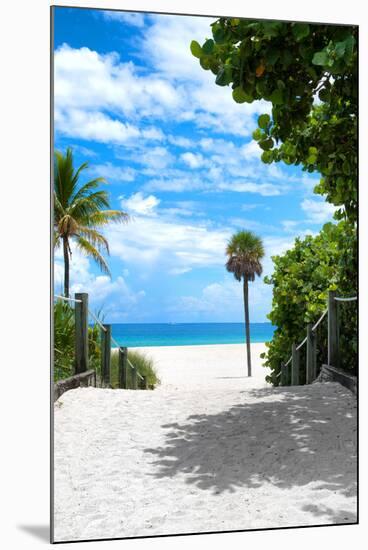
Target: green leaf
<point>346,168</point>
<point>258,134</point>
<point>196,49</point>
<point>205,63</point>
<point>287,58</point>
<point>219,35</point>
<point>208,47</point>
<point>266,144</point>
<point>277,97</point>
<point>239,95</point>
<point>263,121</point>
<point>267,157</point>
<point>300,30</point>
<point>272,56</point>
<point>320,58</point>
<point>311,159</point>
<point>271,28</point>
<point>224,76</point>
<point>349,48</point>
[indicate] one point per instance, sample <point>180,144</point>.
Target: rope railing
<point>301,344</point>
<point>319,320</point>
<point>97,320</point>
<point>311,341</point>
<point>133,367</point>
<point>67,299</point>
<point>82,312</point>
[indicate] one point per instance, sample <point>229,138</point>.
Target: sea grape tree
<point>309,74</point>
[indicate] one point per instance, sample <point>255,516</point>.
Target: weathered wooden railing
<point>82,374</point>
<point>310,340</point>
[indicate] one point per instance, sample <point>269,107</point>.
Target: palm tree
<point>78,213</point>
<point>245,251</point>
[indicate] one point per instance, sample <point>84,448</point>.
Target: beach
<point>211,366</point>
<point>208,450</point>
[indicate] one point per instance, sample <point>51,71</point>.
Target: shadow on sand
<point>286,437</point>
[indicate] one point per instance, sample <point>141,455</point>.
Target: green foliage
<point>301,279</point>
<point>143,364</point>
<point>64,342</point>
<point>290,64</point>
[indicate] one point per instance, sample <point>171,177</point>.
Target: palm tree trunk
<point>66,267</point>
<point>247,329</point>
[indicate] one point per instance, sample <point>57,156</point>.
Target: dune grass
<point>143,364</point>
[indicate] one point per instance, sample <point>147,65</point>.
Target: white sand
<point>210,450</point>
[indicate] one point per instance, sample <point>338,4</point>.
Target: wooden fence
<point>291,369</point>
<point>128,376</point>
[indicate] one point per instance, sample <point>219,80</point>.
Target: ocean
<point>187,334</point>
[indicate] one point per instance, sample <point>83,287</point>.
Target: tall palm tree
<point>245,251</point>
<point>78,213</point>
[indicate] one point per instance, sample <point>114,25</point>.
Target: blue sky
<point>178,156</point>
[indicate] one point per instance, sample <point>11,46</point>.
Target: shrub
<point>64,342</point>
<point>143,364</point>
<point>301,280</point>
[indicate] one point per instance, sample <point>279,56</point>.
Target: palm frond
<point>86,206</point>
<point>86,188</point>
<point>245,251</point>
<point>87,248</point>
<point>93,237</point>
<point>104,217</point>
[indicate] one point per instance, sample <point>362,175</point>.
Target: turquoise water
<point>185,334</point>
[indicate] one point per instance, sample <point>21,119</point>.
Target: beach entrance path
<point>208,451</point>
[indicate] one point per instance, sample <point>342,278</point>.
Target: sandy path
<point>217,456</point>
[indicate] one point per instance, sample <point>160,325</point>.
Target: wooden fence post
<point>309,374</point>
<point>81,332</point>
<point>333,351</point>
<point>134,379</point>
<point>145,383</point>
<point>283,377</point>
<point>315,340</point>
<point>123,368</point>
<point>105,355</point>
<point>295,366</point>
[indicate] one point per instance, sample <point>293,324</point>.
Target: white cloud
<point>112,172</point>
<point>175,87</point>
<point>85,79</point>
<point>98,287</point>
<point>168,243</point>
<point>179,270</point>
<point>290,225</point>
<point>193,160</point>
<point>264,189</point>
<point>133,19</point>
<point>94,126</point>
<point>317,211</point>
<point>155,158</point>
<point>251,150</point>
<point>179,184</point>
<point>138,204</point>
<point>167,42</point>
<point>181,141</point>
<point>223,300</point>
